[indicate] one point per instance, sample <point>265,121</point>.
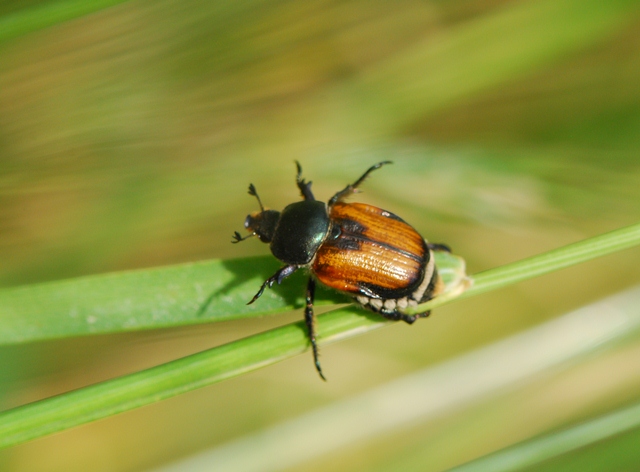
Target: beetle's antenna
<point>252,191</point>
<point>237,237</point>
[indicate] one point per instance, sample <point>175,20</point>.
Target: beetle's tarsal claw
<point>319,369</point>
<point>257,295</point>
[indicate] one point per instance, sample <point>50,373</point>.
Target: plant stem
<point>545,263</point>
<point>554,260</point>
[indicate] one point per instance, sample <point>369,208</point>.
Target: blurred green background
<point>129,134</point>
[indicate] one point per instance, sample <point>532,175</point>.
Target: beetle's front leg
<point>279,276</point>
<point>303,185</point>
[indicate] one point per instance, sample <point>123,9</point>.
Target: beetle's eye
<point>335,232</point>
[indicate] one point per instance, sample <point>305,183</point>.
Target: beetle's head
<point>263,224</point>
<point>260,223</point>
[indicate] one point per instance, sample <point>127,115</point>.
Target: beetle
<point>363,251</point>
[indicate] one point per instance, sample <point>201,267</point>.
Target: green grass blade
<point>535,451</point>
<point>114,396</point>
<point>545,263</point>
<point>144,299</point>
<point>557,259</point>
<point>147,299</point>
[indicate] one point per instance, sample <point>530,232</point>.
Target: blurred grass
<point>19,18</point>
<point>128,137</point>
<point>532,454</point>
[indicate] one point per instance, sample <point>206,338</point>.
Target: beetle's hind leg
<point>303,185</point>
<point>351,188</point>
<point>409,319</point>
<point>438,247</point>
<point>309,320</point>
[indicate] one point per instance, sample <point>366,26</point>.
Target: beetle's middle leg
<point>351,188</point>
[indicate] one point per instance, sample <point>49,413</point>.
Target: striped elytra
<point>373,248</point>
